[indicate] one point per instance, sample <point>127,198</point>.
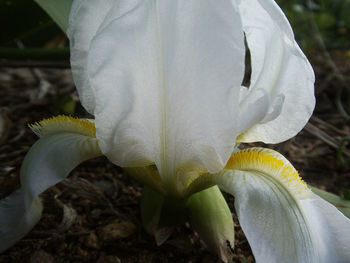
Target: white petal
<point>253,108</point>
<point>280,228</point>
<point>331,229</point>
<point>281,223</point>
<point>275,109</point>
<point>16,220</point>
<point>280,68</point>
<point>166,75</point>
<point>85,18</point>
<point>48,162</point>
<point>272,220</point>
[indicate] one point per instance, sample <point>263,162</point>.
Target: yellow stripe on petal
<point>271,163</point>
<point>63,123</point>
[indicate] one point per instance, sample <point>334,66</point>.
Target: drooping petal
<point>340,203</point>
<point>282,220</point>
<point>166,77</point>
<point>48,162</point>
<point>280,228</point>
<point>85,18</point>
<point>280,68</point>
<point>211,217</point>
<point>272,220</point>
<point>17,219</point>
<point>332,229</point>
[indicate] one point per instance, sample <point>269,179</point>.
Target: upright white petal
<point>166,76</point>
<point>85,18</point>
<point>282,220</point>
<point>48,162</point>
<point>280,68</point>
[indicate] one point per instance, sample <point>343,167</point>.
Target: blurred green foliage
<point>345,194</point>
<point>25,21</point>
<point>341,203</point>
<point>65,104</point>
<point>322,29</point>
<point>328,20</point>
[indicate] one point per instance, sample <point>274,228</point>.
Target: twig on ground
<point>331,141</point>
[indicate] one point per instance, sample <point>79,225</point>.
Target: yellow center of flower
<point>270,163</point>
<point>63,123</point>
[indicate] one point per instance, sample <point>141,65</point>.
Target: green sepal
<point>161,214</point>
<point>211,217</point>
<point>151,207</point>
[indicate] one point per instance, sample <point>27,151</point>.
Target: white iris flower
<point>163,81</point>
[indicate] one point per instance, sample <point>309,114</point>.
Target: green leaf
<point>21,18</point>
<point>341,204</point>
<point>344,14</point>
<point>346,194</point>
<point>325,20</point>
<point>151,207</point>
<point>58,10</point>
